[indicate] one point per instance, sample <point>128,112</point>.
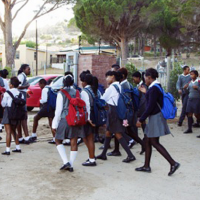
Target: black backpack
<point>17,110</point>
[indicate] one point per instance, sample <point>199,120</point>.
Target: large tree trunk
<point>135,44</point>
<point>155,46</point>
<point>124,44</point>
<point>9,49</point>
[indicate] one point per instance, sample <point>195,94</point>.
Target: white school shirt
<point>85,97</point>
<point>6,85</point>
<point>44,96</point>
<point>21,78</point>
<point>58,111</point>
<point>7,100</point>
<point>153,83</point>
<point>111,95</point>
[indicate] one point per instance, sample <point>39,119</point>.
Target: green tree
<point>117,20</point>
<point>29,44</point>
<point>44,7</point>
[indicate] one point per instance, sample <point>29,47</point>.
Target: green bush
<point>0,60</point>
<point>131,69</point>
<point>173,80</point>
<point>9,71</point>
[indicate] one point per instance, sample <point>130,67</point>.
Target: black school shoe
<point>52,142</point>
<point>130,145</point>
<point>17,150</point>
<point>80,141</point>
<point>6,153</point>
<point>198,136</point>
<point>196,125</point>
<point>180,124</point>
<point>143,169</point>
<point>87,163</point>
<point>114,153</point>
<point>33,138</point>
<point>188,131</point>
<point>100,157</point>
<point>174,168</point>
<point>0,138</point>
<point>65,166</point>
<point>1,131</point>
<point>129,159</point>
<point>71,169</point>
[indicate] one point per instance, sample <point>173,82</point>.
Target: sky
<point>64,13</point>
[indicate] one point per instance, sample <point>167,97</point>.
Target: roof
<point>92,48</point>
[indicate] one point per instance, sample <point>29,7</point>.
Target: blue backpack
<point>98,113</point>
<point>135,95</point>
<point>169,108</point>
<point>51,102</point>
<point>125,106</point>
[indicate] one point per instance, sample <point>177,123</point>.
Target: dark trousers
<point>184,106</point>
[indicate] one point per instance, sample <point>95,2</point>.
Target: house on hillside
<point>27,55</point>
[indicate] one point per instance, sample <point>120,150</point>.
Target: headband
<point>69,76</point>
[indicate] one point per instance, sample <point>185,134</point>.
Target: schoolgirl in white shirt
<point>60,127</point>
<point>90,84</point>
<point>114,124</point>
<point>10,127</point>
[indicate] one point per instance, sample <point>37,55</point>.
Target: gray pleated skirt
<point>5,119</point>
<point>114,124</point>
<point>87,130</point>
<point>64,131</point>
<point>193,106</point>
<point>157,126</point>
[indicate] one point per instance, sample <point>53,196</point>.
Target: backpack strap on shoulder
<point>117,88</point>
<point>66,94</point>
<point>11,94</point>
<point>77,93</point>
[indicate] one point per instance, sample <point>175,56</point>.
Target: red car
<point>34,90</point>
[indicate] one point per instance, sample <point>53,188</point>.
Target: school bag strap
<point>117,88</point>
<point>68,95</point>
<point>12,96</point>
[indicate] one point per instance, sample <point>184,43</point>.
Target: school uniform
<point>65,131</point>
<point>45,111</point>
<point>193,104</point>
<point>111,96</point>
<point>23,79</point>
<point>182,81</point>
<point>6,103</point>
<point>3,86</point>
<point>157,125</point>
<point>142,105</point>
<point>6,84</point>
<point>88,128</point>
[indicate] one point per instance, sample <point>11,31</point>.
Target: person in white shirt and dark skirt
<point>45,110</point>
<point>23,72</point>
<point>89,83</point>
<point>10,125</point>
<point>114,124</point>
<point>157,125</point>
<point>61,128</point>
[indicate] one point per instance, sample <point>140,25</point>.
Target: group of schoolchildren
<point>188,86</point>
<point>76,112</point>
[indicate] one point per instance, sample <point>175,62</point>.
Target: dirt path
<point>35,174</point>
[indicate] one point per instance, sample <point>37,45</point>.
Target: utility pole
<point>36,56</point>
<point>99,46</point>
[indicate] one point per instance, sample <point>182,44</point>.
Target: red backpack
<point>2,91</point>
<point>77,113</point>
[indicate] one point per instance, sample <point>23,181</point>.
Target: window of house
<point>17,55</point>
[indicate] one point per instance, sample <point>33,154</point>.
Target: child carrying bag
<point>77,113</point>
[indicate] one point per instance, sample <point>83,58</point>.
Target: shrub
<point>9,71</point>
<point>173,80</point>
<point>131,69</point>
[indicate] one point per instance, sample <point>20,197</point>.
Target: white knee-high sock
<point>73,155</point>
<point>62,152</point>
